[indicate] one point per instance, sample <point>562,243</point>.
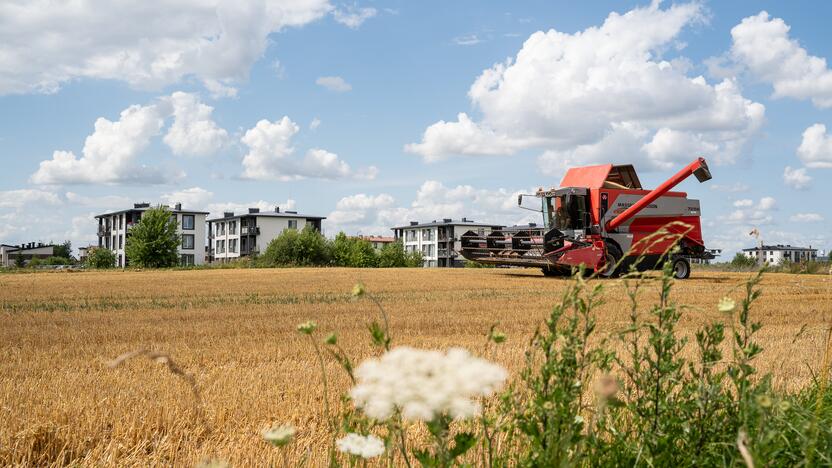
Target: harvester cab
<point>602,218</point>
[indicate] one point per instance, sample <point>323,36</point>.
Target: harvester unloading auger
<point>597,216</point>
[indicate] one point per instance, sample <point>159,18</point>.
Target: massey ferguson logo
<point>625,205</point>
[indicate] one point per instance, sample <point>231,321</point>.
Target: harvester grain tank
<point>602,218</point>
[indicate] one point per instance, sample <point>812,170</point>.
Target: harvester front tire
<point>681,268</point>
<point>611,267</point>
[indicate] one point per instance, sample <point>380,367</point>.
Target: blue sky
<point>372,93</point>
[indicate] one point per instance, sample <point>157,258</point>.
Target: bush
<point>353,252</point>
<point>292,248</point>
<point>153,241</point>
<point>393,255</point>
<point>100,257</point>
<point>57,261</point>
<point>743,261</point>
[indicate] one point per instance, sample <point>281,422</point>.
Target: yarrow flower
<point>424,384</point>
<point>726,304</point>
<point>279,435</point>
<point>368,446</point>
<point>307,327</point>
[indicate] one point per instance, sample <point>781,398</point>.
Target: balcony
<point>104,231</point>
<point>250,230</point>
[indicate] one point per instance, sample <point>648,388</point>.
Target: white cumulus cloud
<point>796,178</point>
<point>193,132</point>
<point>763,46</point>
<point>271,156</point>
<point>581,96</point>
<point>109,152</point>
<point>148,44</point>
<point>194,198</point>
<point>815,148</point>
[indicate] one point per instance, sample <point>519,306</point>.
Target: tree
<point>393,255</point>
<point>100,257</point>
<point>743,261</point>
<point>353,252</point>
<point>63,250</point>
<point>304,248</point>
<point>153,241</point>
<point>19,261</point>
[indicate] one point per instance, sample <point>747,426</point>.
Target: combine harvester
<point>598,214</point>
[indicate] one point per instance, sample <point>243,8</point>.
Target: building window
<point>410,248</point>
<point>427,234</point>
<point>293,224</point>
<point>410,236</point>
<point>186,260</point>
<point>427,250</point>
<point>188,241</point>
<point>232,228</point>
<point>232,245</point>
<point>221,229</point>
<point>220,246</point>
<point>188,222</point>
<point>120,242</point>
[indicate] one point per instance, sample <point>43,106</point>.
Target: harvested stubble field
<point>234,330</point>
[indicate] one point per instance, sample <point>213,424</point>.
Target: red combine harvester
<point>598,214</point>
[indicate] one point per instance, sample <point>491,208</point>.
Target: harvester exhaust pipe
<point>698,168</point>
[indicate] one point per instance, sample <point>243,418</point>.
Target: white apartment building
<point>234,236</point>
<point>113,229</point>
<point>439,241</point>
<point>32,250</point>
<point>775,254</point>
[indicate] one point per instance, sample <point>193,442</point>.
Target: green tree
<point>100,257</point>
<point>292,248</point>
<point>393,255</point>
<point>743,261</point>
<point>353,252</point>
<point>63,250</point>
<point>19,261</point>
<point>153,241</point>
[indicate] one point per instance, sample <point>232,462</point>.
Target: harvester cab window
<point>566,212</point>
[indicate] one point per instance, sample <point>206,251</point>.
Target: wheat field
<point>234,332</point>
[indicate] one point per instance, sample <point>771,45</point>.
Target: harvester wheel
<point>681,268</point>
<point>611,267</point>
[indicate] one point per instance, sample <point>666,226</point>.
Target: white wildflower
<point>279,435</point>
<point>425,384</point>
<point>726,304</point>
<point>368,446</point>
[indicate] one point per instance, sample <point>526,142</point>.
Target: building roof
<point>377,238</point>
<point>446,222</point>
<point>147,206</point>
<point>269,214</point>
<point>779,247</point>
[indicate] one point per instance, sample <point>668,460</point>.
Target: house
<point>84,252</point>
<point>775,254</point>
<point>378,242</point>
<point>439,241</point>
<point>32,250</point>
<point>113,230</point>
<point>234,236</point>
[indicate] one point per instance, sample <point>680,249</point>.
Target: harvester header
<point>598,214</point>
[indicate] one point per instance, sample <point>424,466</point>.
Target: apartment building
<point>29,251</point>
<point>774,254</point>
<point>439,241</point>
<point>113,230</point>
<point>233,236</point>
